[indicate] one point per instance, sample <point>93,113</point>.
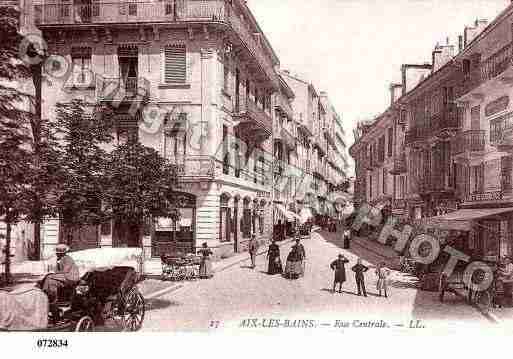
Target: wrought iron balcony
<point>122,89</point>
<point>254,123</point>
<point>284,107</point>
<point>415,135</point>
<point>399,165</point>
<point>489,69</point>
<point>468,141</point>
<point>195,166</point>
<point>450,120</point>
<point>112,13</point>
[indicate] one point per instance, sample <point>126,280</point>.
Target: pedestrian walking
<point>273,254</point>
<point>338,265</point>
<point>302,254</point>
<point>205,270</point>
<point>359,269</point>
<point>346,235</point>
<point>382,273</point>
<point>253,249</point>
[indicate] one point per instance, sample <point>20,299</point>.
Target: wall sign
<point>497,106</point>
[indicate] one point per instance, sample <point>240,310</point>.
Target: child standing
<point>382,273</point>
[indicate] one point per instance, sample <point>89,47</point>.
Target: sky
<point>353,49</point>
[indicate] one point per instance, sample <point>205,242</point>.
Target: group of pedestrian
<point>359,269</point>
<point>295,265</point>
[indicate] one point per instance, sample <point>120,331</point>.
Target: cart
<point>102,294</point>
<point>178,268</point>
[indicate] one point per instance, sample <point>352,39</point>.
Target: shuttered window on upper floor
<point>175,68</point>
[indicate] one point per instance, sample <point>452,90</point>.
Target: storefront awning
<point>289,216</point>
<point>462,218</point>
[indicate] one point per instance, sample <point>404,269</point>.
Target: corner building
<point>207,72</point>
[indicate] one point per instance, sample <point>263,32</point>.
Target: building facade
<point>199,82</point>
<point>208,72</point>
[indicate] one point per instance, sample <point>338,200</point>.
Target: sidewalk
<point>151,287</point>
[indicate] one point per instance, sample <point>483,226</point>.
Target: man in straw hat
<point>66,274</point>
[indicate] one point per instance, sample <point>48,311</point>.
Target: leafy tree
<point>140,185</point>
<point>15,159</point>
<point>82,137</point>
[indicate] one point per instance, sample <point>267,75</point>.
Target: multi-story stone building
<point>483,150</point>
<point>320,160</point>
<point>433,119</point>
<point>208,71</point>
<point>378,151</point>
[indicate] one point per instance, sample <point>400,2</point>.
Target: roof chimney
<point>460,42</point>
<point>471,32</point>
<point>441,55</point>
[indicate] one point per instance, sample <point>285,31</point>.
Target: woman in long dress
<point>205,270</point>
<point>294,266</point>
<point>273,254</point>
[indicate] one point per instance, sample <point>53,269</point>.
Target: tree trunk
<point>7,252</point>
<point>36,134</point>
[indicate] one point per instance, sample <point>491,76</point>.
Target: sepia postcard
<point>262,167</point>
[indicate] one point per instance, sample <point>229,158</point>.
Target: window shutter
<point>174,64</point>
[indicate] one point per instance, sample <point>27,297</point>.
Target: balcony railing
<point>283,105</point>
<point>119,89</point>
<point>469,141</point>
<point>250,114</point>
<point>496,64</point>
<point>195,166</point>
<point>399,165</point>
<point>217,11</point>
<point>485,196</point>
<point>287,138</point>
<point>488,69</point>
<point>129,12</point>
<point>450,119</point>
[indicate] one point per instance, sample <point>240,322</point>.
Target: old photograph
<point>230,166</point>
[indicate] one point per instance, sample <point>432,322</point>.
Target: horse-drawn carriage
<point>103,294</point>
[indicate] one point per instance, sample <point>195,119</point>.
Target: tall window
<point>385,179</point>
<point>475,117</point>
<point>226,154</point>
<point>226,74</point>
<point>506,168</point>
<point>466,67</point>
<point>81,64</point>
<point>370,187</point>
<point>175,68</point>
<point>390,141</point>
<point>381,149</point>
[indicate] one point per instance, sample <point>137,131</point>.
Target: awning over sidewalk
<point>462,218</point>
<point>289,216</point>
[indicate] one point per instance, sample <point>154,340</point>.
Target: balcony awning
<point>462,218</point>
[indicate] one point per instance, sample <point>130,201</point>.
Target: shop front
<point>173,235</point>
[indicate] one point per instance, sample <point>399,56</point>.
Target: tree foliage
<point>83,135</point>
<point>141,184</point>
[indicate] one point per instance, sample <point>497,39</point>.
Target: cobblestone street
<point>239,293</point>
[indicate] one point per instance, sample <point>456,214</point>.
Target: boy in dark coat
<point>340,272</point>
<point>359,269</point>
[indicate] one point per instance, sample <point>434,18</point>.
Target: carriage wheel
<point>132,316</point>
<point>85,324</point>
